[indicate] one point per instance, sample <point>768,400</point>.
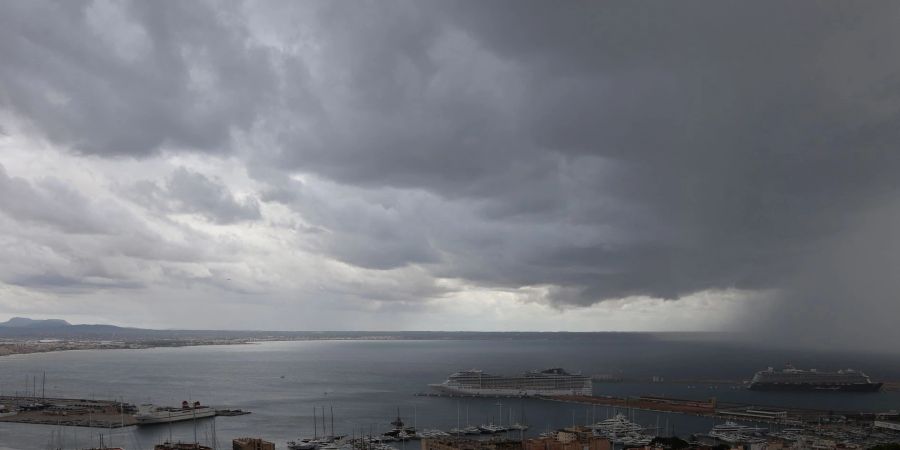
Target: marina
<point>93,413</point>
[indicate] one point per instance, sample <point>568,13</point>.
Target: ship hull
<point>488,392</point>
<point>177,416</point>
<point>813,387</point>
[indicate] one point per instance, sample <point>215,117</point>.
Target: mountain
<point>23,327</point>
<point>24,322</point>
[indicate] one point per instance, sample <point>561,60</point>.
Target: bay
<point>366,382</point>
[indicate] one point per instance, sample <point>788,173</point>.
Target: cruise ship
<point>793,379</point>
<point>545,382</point>
<point>150,414</point>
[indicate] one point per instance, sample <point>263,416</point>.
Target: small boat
<point>431,434</point>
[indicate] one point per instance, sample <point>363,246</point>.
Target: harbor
<point>281,382</point>
<point>92,413</point>
<point>622,428</point>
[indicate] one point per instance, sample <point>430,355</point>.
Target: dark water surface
<point>366,381</point>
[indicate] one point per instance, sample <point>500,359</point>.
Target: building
<point>765,414</point>
<point>573,438</point>
<point>456,443</point>
<point>246,443</point>
<point>180,446</point>
<point>887,425</point>
<point>573,434</point>
<point>709,404</point>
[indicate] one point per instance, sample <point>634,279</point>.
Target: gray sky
<point>453,165</point>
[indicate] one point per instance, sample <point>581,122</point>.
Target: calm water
<point>366,381</point>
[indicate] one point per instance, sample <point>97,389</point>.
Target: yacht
<point>431,434</point>
<point>735,432</point>
<point>634,439</point>
<point>734,427</point>
<point>400,432</point>
<point>619,425</point>
<point>491,428</point>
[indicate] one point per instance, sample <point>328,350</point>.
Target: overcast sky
<point>453,165</point>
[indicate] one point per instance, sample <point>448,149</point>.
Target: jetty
<point>76,412</point>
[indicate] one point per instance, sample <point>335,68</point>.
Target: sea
<point>365,384</point>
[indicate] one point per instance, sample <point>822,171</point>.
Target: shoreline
<point>31,347</point>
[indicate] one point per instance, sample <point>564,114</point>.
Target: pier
<point>76,412</point>
<point>68,412</point>
<point>452,395</point>
<point>709,408</point>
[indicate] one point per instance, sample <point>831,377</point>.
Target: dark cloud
<point>699,147</point>
<point>603,150</point>
<point>744,144</point>
<point>123,78</point>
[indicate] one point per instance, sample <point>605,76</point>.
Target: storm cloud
<point>194,193</point>
<point>411,152</point>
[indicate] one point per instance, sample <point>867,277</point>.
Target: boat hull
<point>489,392</point>
<point>813,387</point>
<point>174,417</point>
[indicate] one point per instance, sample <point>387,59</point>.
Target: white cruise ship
<point>150,414</point>
<point>546,382</point>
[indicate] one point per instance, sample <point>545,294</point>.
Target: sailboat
<point>490,427</point>
<point>315,442</point>
<point>400,432</point>
<point>520,425</point>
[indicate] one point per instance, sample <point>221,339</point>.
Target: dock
<point>76,412</point>
<point>708,408</point>
<point>451,395</point>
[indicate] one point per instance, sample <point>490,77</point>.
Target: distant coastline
<point>21,335</point>
<point>9,348</point>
